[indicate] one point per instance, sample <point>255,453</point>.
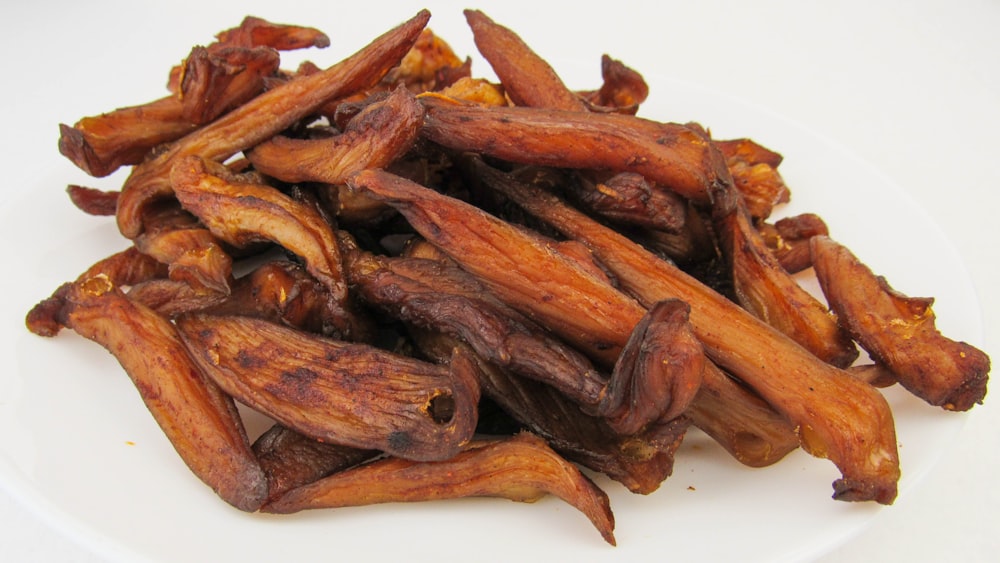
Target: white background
<point>912,87</point>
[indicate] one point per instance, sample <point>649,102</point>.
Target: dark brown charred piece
<point>629,199</point>
<point>836,416</point>
<point>788,239</point>
<point>439,296</point>
<point>93,201</point>
<point>338,392</point>
<point>677,157</point>
<point>125,268</point>
<point>640,462</point>
<point>200,420</point>
<point>755,174</point>
<point>380,134</point>
<point>291,460</point>
<point>899,332</point>
<point>526,78</point>
<point>263,117</point>
<point>768,291</point>
<point>521,468</point>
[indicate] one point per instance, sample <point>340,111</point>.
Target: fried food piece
<point>291,460</point>
<point>899,332</point>
<point>213,82</point>
<point>93,201</point>
<point>377,136</point>
<point>257,32</point>
<point>526,78</point>
<point>788,239</point>
<point>338,392</point>
<point>263,117</point>
<point>836,416</point>
<point>628,198</point>
<point>521,468</point>
<point>641,462</point>
<point>199,419</point>
<point>679,157</point>
<point>171,298</point>
<point>429,66</point>
<point>766,289</point>
<point>755,175</point>
<point>243,214</point>
<point>623,89</point>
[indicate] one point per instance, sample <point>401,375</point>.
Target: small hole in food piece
<point>441,408</point>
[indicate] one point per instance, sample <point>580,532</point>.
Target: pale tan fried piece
<point>521,468</point>
<point>836,416</point>
<point>200,420</point>
<point>263,117</point>
<point>678,157</point>
<point>338,392</point>
<point>377,136</point>
<point>899,332</point>
<point>526,78</point>
<point>768,291</point>
<point>245,213</point>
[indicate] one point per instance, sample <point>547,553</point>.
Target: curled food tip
<point>521,468</point>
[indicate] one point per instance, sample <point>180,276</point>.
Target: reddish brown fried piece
<point>755,174</point>
<point>244,214</point>
<point>257,32</point>
<point>623,90</point>
<point>678,157</point>
<point>788,239</point>
<point>526,78</point>
<point>899,332</point>
<point>213,82</point>
<point>836,416</point>
<point>171,298</point>
<point>291,460</point>
<point>429,66</point>
<point>767,290</point>
<point>629,199</point>
<point>263,117</point>
<point>377,136</point>
<point>93,201</point>
<point>200,421</point>
<point>335,391</point>
<point>521,468</point>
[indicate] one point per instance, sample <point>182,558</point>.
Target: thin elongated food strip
<point>264,116</point>
<point>521,468</point>
<point>199,419</point>
<point>899,331</point>
<point>330,390</point>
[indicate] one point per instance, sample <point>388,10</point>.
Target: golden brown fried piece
<point>243,214</point>
<point>377,136</point>
<point>836,416</point>
<point>291,460</point>
<point>200,420</point>
<point>767,290</point>
<point>263,117</point>
<point>338,392</point>
<point>429,66</point>
<point>755,174</point>
<point>526,78</point>
<point>213,82</point>
<point>678,157</point>
<point>521,468</point>
<point>899,332</point>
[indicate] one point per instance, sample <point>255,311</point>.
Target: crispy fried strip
<point>624,89</point>
<point>338,392</point>
<point>836,416</point>
<point>93,201</point>
<point>374,138</point>
<point>263,117</point>
<point>215,81</point>
<point>681,158</point>
<point>197,417</point>
<point>256,32</point>
<point>767,290</point>
<point>521,468</point>
<point>526,77</point>
<point>899,331</point>
<point>755,175</point>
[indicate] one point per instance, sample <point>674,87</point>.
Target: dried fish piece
<point>766,289</point>
<point>521,468</point>
<point>899,332</point>
<point>263,117</point>
<point>199,419</point>
<point>338,392</point>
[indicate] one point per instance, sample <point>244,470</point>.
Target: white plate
<point>79,446</point>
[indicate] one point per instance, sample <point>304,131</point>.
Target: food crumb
<point>129,443</point>
<point>691,488</point>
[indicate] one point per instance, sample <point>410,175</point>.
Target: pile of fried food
<point>442,286</point>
